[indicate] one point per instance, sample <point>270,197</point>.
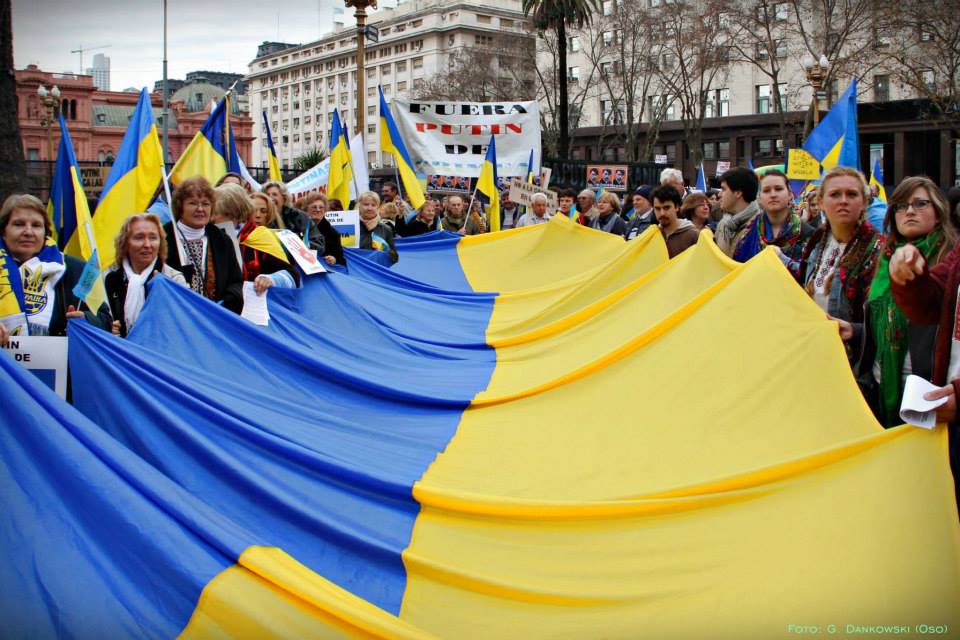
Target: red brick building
<point>98,119</point>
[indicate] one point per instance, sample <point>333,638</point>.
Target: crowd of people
<point>892,289</point>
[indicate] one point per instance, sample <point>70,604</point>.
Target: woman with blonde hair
<point>374,234</point>
<point>264,208</point>
<point>839,259</point>
<point>141,250</point>
<point>231,204</point>
<point>608,215</point>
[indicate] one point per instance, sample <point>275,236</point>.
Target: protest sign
<point>316,178</point>
<point>722,166</point>
<point>802,166</point>
<point>347,224</point>
<point>448,184</point>
<point>660,159</point>
<point>44,356</point>
<point>305,258</point>
<point>521,192</point>
<point>612,177</point>
<point>450,138</point>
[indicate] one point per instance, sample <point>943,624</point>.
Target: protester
<point>262,264</point>
<point>231,204</point>
<point>209,262</point>
<point>928,295</point>
<point>293,219</point>
<point>608,215</point>
<point>316,208</point>
<point>141,250</point>
<point>333,204</point>
<point>894,346</point>
<point>35,278</point>
<point>696,209</point>
<point>538,213</point>
<point>374,234</point>
<point>509,211</point>
<point>643,214</point>
<point>586,202</point>
<point>673,177</point>
<point>839,259</point>
<point>810,209</point>
<point>565,201</point>
<point>424,221</point>
<point>679,234</point>
<point>713,196</point>
<point>389,213</point>
<point>389,193</point>
<point>477,216</point>
<point>233,178</point>
<point>738,194</point>
<point>775,224</point>
<point>456,219</point>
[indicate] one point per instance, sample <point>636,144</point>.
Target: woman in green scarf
<point>918,214</point>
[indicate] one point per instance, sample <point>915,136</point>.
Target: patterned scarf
<point>890,329</point>
<point>857,264</point>
<point>28,291</point>
<point>759,235</point>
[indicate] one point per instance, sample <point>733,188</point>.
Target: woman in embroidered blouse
<point>209,261</point>
<point>839,260</point>
<point>36,280</point>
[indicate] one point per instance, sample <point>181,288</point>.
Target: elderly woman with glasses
<point>209,261</point>
<point>141,253</point>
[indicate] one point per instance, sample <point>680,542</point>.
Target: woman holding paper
<point>141,255</point>
<point>205,255</point>
<point>37,281</point>
<point>265,263</point>
<point>894,347</point>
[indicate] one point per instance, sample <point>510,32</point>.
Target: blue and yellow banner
<point>519,484</point>
<point>341,172</point>
<point>212,151</point>
<point>392,143</point>
<point>835,140</point>
<point>272,160</point>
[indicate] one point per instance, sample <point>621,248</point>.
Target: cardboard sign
<point>612,177</point>
<point>722,166</point>
<point>660,159</point>
<point>44,356</point>
<point>521,193</point>
<point>802,166</point>
<point>306,258</point>
<point>347,224</point>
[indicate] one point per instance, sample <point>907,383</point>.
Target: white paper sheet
<point>913,408</point>
<point>255,307</point>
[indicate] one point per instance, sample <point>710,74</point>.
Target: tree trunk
<point>13,175</point>
<point>563,144</point>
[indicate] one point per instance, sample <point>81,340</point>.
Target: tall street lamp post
<point>360,12</point>
<point>816,74</point>
<point>51,103</point>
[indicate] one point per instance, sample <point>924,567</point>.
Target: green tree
<point>556,16</point>
<point>309,159</point>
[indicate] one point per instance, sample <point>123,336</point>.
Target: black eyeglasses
<point>916,204</point>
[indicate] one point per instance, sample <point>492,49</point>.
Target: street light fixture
<point>51,101</point>
<point>816,75</point>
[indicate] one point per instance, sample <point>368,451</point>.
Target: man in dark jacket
<point>643,214</point>
<point>294,219</point>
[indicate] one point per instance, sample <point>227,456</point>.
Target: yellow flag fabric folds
<point>266,240</point>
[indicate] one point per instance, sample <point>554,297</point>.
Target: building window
<point>607,38</point>
<point>928,79</point>
<point>723,150</point>
<point>709,150</point>
<point>418,63</point>
<point>483,41</point>
<point>573,74</point>
<point>402,86</point>
<point>417,83</point>
<point>506,24</point>
<point>386,89</point>
<point>767,146</point>
<point>401,66</point>
<point>371,91</point>
<point>574,44</point>
<point>483,19</point>
<point>764,104</point>
<point>881,88</point>
<point>372,72</point>
<point>608,7</point>
<point>926,35</point>
<point>781,11</point>
<point>386,70</point>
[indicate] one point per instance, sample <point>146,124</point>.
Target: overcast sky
<point>202,34</point>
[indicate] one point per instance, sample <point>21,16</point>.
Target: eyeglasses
<point>916,204</point>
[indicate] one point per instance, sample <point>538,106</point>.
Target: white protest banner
<point>347,224</point>
<point>660,159</point>
<point>722,166</point>
<point>45,357</point>
<point>305,258</point>
<point>451,138</point>
<point>521,193</point>
<point>316,178</point>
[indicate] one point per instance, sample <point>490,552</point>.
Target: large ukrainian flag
<point>134,177</point>
<point>210,152</point>
<point>603,444</point>
<point>836,141</point>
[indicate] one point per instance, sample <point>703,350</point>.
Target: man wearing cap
<point>644,215</point>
